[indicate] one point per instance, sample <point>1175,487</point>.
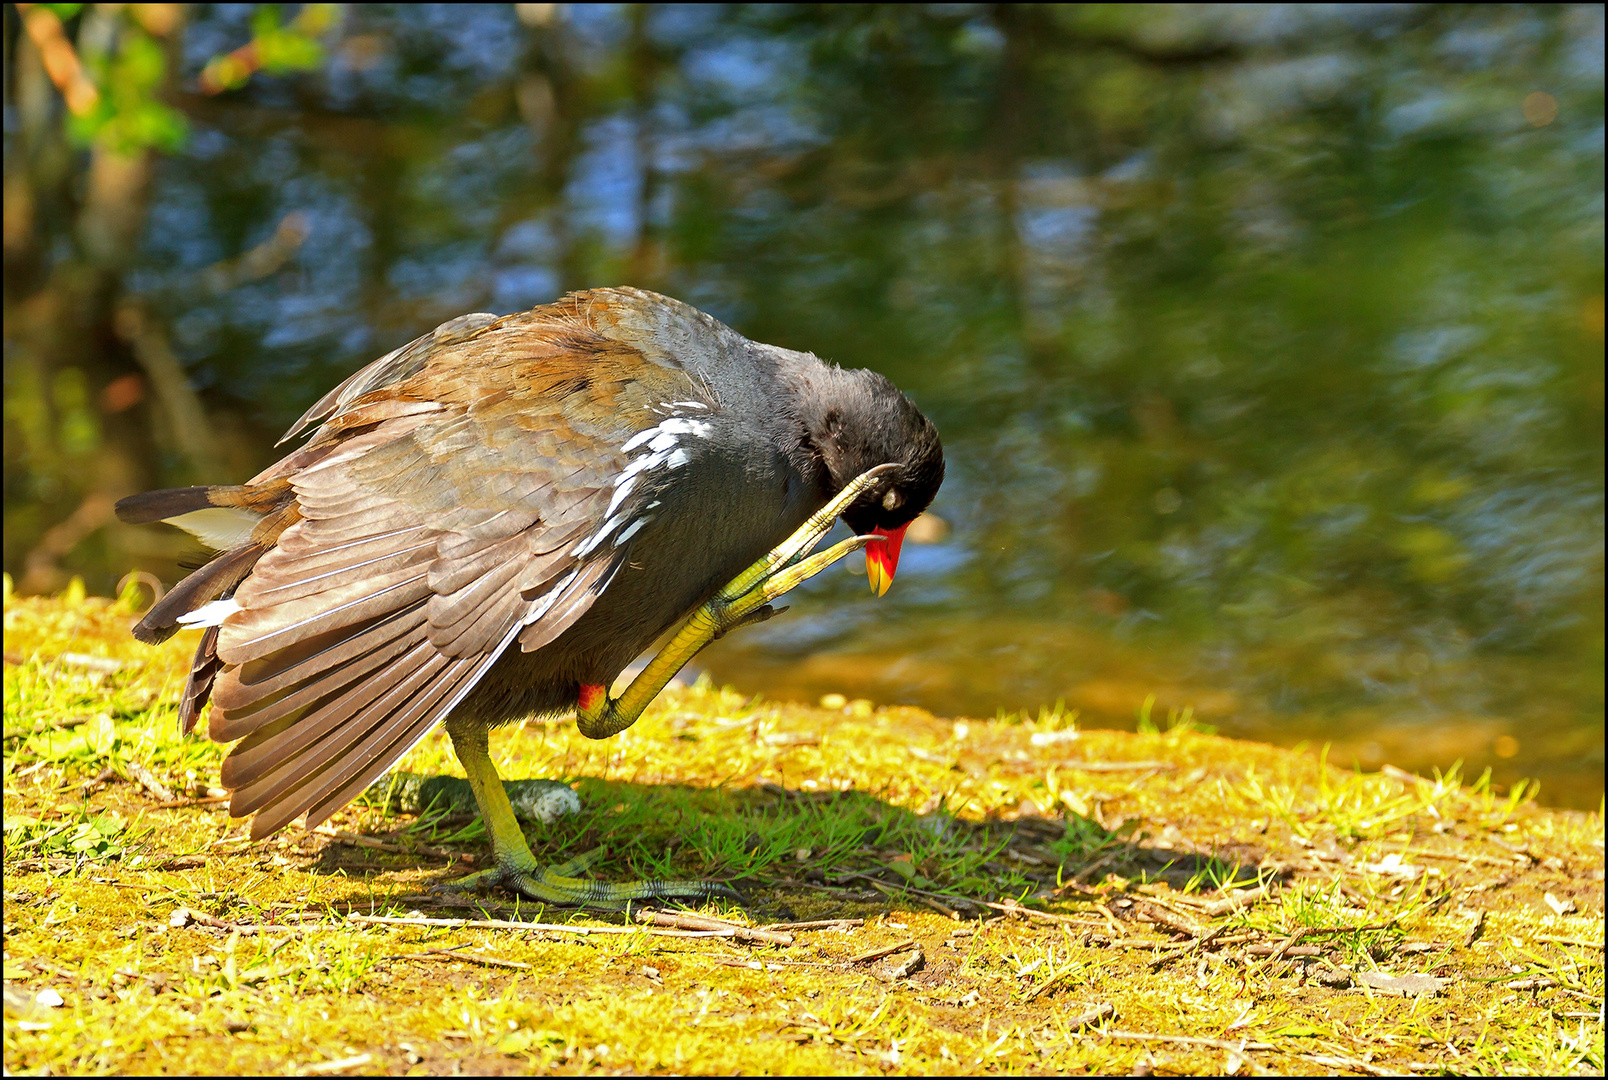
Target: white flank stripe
<point>211,614</point>
<point>638,439</point>
<point>598,537</point>
<point>628,533</point>
<point>677,425</point>
<point>547,601</point>
<point>677,459</point>
<point>663,441</point>
<point>644,464</point>
<point>622,489</point>
<point>689,405</point>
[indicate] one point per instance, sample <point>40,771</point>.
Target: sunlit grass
<point>924,828</point>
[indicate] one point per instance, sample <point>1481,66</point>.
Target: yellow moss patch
<point>928,831</point>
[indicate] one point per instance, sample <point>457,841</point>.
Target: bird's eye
<point>892,499</point>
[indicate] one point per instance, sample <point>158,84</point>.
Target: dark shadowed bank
<point>927,896</point>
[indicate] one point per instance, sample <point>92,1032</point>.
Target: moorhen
<point>495,519</point>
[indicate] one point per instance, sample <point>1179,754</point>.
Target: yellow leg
<point>517,868</point>
<point>741,600</point>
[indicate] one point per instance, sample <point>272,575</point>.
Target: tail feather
<point>216,579</point>
<point>243,521</point>
<point>149,506</point>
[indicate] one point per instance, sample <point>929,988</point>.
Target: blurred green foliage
<point>1266,342</point>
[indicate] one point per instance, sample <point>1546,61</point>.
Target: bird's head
<point>871,423</point>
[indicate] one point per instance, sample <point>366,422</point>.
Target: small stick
<point>1235,901</point>
<point>1045,986</point>
<point>687,921</point>
<point>815,924</point>
<point>208,800</point>
<point>1189,1040</point>
<point>100,665</point>
<point>185,916</point>
<point>1015,908</point>
<point>878,954</point>
<point>454,954</point>
<point>181,862</point>
<point>1335,1061</point>
<point>99,778</point>
<point>339,1065</point>
<point>1111,921</point>
<point>1313,930</point>
<point>1156,913</point>
<point>1100,1012</point>
<point>1288,943</point>
<point>940,907</point>
<point>1287,950</point>
<point>1450,856</point>
<point>149,782</point>
<point>396,849</point>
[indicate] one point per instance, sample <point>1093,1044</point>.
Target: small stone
<point>49,999</point>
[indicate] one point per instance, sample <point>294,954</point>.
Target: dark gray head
<point>860,420</point>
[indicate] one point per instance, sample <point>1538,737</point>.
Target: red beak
<point>882,557</point>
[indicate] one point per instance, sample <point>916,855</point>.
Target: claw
<point>784,567</point>
<point>805,537</point>
<point>559,884</point>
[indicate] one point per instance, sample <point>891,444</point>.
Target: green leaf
<point>100,734</point>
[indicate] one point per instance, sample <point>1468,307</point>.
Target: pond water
<point>1266,343</point>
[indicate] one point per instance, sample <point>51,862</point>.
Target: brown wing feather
<point>437,514</point>
<point>203,670</point>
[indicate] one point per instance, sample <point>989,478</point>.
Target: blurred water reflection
<point>1266,342</point>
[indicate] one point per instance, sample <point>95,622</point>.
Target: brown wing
<point>444,511</point>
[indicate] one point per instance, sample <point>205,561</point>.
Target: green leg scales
<point>744,600</point>
<point>518,870</point>
<point>536,802</point>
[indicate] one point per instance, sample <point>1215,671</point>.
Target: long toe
<point>548,885</point>
<point>558,884</point>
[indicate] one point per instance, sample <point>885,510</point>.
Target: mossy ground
<point>927,830</point>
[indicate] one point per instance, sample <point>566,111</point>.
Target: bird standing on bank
<point>492,521</point>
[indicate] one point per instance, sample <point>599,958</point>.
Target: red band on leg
<point>591,696</point>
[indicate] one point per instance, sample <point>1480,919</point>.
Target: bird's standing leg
<point>742,600</point>
<point>517,868</point>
